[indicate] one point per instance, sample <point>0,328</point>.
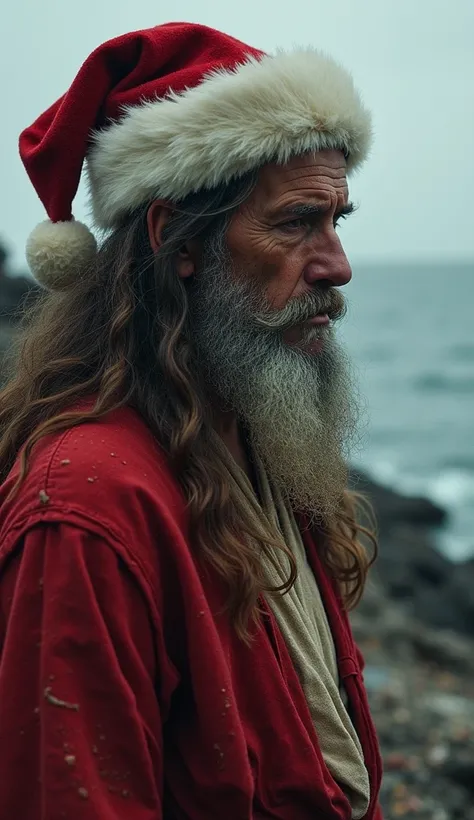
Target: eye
<point>294,225</point>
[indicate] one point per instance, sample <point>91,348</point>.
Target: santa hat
<point>167,111</point>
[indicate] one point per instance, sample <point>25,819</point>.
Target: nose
<point>329,264</point>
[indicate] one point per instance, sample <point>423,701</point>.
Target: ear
<point>159,213</point>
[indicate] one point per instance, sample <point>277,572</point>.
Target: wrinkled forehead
<point>321,174</point>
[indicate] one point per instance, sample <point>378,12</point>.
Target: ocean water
<point>410,332</point>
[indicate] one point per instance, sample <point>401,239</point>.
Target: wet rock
<point>410,569</point>
<point>460,769</point>
<point>392,506</point>
<point>16,293</point>
<point>461,595</point>
<point>445,649</point>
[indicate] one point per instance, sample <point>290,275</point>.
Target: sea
<point>410,333</point>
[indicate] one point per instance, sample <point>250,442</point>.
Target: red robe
<point>124,692</point>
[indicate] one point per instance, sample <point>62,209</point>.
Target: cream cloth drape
<point>302,620</point>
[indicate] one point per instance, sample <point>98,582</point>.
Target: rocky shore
<point>14,292</point>
<point>415,626</point>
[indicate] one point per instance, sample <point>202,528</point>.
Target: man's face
<point>250,305</point>
<point>284,236</point>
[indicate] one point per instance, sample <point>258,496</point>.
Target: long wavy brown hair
<point>119,333</point>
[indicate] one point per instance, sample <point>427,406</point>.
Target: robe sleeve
<point>80,728</point>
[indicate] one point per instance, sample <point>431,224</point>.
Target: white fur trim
<point>58,251</point>
<point>264,110</point>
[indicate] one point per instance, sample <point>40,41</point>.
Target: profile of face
<point>284,236</point>
<point>262,306</point>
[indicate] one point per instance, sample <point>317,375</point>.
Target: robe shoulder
<point>110,477</point>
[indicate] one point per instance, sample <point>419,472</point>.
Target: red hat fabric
<point>169,110</point>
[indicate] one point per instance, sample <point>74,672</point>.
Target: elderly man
<point>178,547</point>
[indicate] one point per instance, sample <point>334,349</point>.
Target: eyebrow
<point>308,209</point>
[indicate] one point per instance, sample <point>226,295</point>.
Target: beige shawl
<point>302,620</point>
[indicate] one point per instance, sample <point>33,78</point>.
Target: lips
<point>319,319</point>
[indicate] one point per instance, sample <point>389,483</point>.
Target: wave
<point>441,382</point>
<point>461,352</point>
<point>452,488</point>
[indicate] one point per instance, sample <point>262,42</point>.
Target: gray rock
<point>409,568</point>
<point>15,291</point>
<point>393,507</point>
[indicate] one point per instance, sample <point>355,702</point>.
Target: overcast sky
<point>413,60</point>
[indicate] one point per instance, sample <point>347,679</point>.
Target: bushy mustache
<point>303,308</point>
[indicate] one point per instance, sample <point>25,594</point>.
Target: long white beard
<point>298,410</point>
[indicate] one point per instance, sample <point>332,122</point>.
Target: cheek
<point>282,280</point>
<point>274,278</point>
<point>274,267</point>
<point>268,274</point>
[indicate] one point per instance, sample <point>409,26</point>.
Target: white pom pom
<point>57,251</point>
